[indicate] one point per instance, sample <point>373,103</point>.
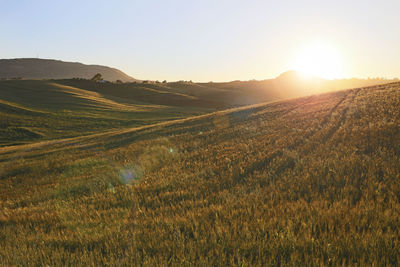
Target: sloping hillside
<point>34,68</point>
<point>33,110</point>
<point>309,181</point>
<point>289,84</point>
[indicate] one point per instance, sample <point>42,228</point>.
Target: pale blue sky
<point>203,40</point>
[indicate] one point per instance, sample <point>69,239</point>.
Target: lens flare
<point>128,175</point>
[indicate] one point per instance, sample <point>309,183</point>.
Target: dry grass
<point>310,181</point>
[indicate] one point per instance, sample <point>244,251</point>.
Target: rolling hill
<point>306,181</point>
<point>34,110</point>
<point>289,84</point>
<point>34,68</point>
<point>224,94</point>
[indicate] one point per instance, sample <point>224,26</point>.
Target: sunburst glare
<point>319,59</point>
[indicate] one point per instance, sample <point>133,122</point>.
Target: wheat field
<point>310,181</point>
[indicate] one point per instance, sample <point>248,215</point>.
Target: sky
<point>207,40</point>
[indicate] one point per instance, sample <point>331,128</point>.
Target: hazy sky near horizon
<point>209,40</point>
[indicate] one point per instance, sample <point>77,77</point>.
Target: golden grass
<point>310,181</point>
<point>97,99</point>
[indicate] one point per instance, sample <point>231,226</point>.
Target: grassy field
<point>309,181</point>
<point>34,110</point>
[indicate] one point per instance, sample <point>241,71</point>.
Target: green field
<point>308,181</point>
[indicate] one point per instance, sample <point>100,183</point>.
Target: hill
<point>34,110</point>
<point>307,181</point>
<point>289,84</point>
<point>34,68</point>
<point>224,94</point>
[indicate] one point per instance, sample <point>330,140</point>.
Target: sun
<point>321,60</point>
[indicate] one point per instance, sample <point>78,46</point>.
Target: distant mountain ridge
<point>35,68</point>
